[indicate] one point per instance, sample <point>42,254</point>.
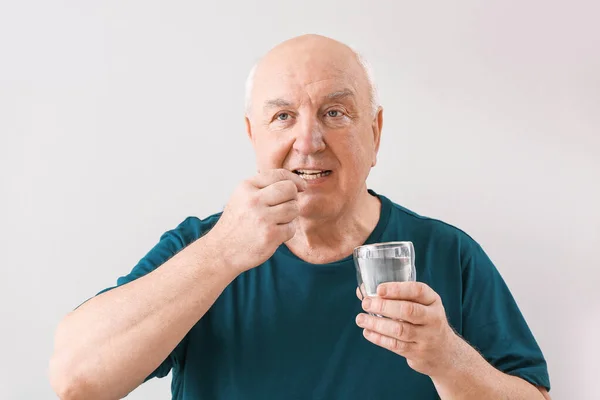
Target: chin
<point>319,206</point>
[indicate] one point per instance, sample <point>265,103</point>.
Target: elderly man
<point>258,302</point>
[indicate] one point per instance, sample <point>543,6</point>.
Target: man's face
<point>311,114</point>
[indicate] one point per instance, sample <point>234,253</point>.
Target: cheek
<point>355,155</point>
<point>271,152</point>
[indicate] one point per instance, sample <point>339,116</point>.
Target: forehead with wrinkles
<point>308,68</point>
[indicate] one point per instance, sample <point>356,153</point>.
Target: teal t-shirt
<point>286,329</point>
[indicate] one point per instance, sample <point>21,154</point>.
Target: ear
<point>248,127</point>
<point>249,132</point>
<point>377,126</point>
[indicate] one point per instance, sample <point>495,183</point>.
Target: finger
<point>278,192</point>
<point>271,176</point>
<point>284,213</point>
<point>400,330</point>
<point>287,230</point>
<point>397,346</point>
<point>359,291</point>
<point>413,291</point>
<point>409,311</point>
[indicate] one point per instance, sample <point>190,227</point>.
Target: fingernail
<point>382,290</point>
<point>366,303</point>
<point>360,319</point>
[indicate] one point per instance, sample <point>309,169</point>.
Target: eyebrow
<point>276,103</point>
<point>340,94</point>
<point>279,102</point>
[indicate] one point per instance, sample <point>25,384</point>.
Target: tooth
<point>312,176</point>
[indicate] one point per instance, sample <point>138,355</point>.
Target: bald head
<point>307,59</point>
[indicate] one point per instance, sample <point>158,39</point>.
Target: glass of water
<point>383,262</point>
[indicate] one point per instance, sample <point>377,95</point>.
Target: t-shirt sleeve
<point>170,243</point>
<point>493,323</point>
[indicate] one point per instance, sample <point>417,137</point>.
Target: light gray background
<point>119,119</point>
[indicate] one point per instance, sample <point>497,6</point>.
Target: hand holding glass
<point>383,262</point>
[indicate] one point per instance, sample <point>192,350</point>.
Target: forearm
<point>472,377</point>
<point>110,344</point>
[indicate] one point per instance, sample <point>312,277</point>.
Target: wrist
<point>465,373</point>
<point>459,362</point>
<point>214,255</point>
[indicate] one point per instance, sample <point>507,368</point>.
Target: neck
<point>330,239</point>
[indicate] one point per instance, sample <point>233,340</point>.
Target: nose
<point>309,138</point>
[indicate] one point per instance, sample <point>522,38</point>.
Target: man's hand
<point>416,326</point>
<point>258,218</point>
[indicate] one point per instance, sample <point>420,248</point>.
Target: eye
<point>334,113</point>
<point>283,116</point>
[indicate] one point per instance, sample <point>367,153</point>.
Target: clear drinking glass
<point>383,262</point>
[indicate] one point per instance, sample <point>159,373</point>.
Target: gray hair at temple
<point>361,60</point>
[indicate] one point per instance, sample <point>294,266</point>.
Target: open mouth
<point>309,174</point>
